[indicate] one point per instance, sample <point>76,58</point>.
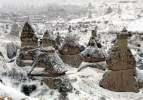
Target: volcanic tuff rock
<point>46,41</point>
<point>60,83</point>
<point>28,41</point>
<point>92,53</point>
<point>28,38</point>
<point>122,72</point>
<point>70,52</point>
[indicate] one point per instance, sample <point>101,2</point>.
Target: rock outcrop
<point>62,84</point>
<point>50,61</point>
<point>92,53</point>
<point>70,52</point>
<point>94,32</point>
<point>28,37</point>
<point>121,76</point>
<point>70,55</point>
<point>47,41</point>
<point>28,41</point>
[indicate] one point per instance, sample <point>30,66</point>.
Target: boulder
<point>62,84</point>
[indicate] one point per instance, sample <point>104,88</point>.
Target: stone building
<point>121,74</point>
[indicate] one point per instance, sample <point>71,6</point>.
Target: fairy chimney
<point>92,53</point>
<point>94,32</point>
<point>28,38</point>
<point>121,74</point>
<point>28,41</point>
<point>70,51</point>
<point>46,41</point>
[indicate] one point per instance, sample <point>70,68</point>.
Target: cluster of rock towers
<point>29,41</point>
<point>121,73</point>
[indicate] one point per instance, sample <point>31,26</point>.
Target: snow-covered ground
<point>85,83</point>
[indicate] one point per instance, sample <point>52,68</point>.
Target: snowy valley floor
<point>85,84</point>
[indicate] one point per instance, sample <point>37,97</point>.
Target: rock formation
<point>94,32</point>
<point>62,84</point>
<point>94,40</point>
<point>28,41</point>
<point>46,41</point>
<point>58,41</point>
<point>92,53</point>
<point>28,38</point>
<point>50,60</point>
<point>122,68</point>
<point>70,52</point>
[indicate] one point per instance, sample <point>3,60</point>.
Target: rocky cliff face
<point>121,64</point>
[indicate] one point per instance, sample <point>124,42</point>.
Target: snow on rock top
<point>92,52</point>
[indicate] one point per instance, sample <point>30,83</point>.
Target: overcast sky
<point>45,2</point>
<point>42,2</point>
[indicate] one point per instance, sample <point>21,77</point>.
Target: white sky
<point>42,2</point>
